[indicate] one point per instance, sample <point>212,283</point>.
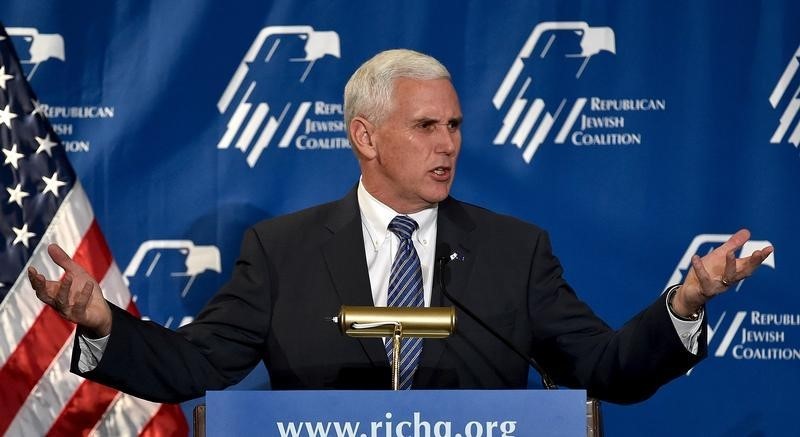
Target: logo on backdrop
<point>530,117</point>
<point>36,48</point>
<point>792,102</point>
<point>268,99</point>
<point>749,334</point>
<point>174,265</point>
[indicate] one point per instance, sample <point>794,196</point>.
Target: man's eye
<point>430,126</point>
<point>427,125</point>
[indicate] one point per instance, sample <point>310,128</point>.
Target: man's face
<point>416,144</point>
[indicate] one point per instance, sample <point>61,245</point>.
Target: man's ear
<point>361,136</point>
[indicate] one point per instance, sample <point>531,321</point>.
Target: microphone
<point>442,262</point>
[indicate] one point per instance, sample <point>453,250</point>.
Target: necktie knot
<point>403,226</point>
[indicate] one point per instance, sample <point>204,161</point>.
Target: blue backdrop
<point>637,133</point>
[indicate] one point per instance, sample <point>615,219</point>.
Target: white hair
<point>368,93</point>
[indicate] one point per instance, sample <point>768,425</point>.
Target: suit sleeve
<point>579,350</point>
<point>216,350</point>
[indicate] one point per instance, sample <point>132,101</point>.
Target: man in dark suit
<point>404,123</point>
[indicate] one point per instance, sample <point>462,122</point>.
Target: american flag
<point>42,202</point>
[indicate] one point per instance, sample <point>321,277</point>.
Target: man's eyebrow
<point>424,119</point>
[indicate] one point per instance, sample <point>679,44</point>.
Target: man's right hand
<point>76,297</point>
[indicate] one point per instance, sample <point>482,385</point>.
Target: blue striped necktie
<point>405,290</point>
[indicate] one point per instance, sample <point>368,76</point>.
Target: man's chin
<point>437,196</point>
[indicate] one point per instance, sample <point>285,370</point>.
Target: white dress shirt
<point>381,244</point>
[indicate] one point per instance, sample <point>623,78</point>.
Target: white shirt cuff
<point>688,330</point>
<point>91,351</point>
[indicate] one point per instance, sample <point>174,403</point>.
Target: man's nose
<point>447,141</point>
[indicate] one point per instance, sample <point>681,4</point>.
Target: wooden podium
<point>457,413</point>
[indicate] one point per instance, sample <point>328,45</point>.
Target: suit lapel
<point>344,256</point>
<point>453,237</point>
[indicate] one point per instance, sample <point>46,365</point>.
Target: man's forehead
<point>422,96</point>
<point>405,82</point>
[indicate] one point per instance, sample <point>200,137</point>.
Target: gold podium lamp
<point>396,322</point>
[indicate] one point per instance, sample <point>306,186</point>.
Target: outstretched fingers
<point>736,241</point>
<point>77,297</point>
<point>707,285</point>
<point>82,298</point>
<point>64,296</point>
<point>45,290</point>
<point>734,269</point>
<point>39,284</point>
<point>729,274</point>
<point>64,289</point>
<point>720,269</point>
<point>746,266</point>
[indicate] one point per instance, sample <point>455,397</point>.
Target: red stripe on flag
<point>87,406</point>
<point>30,359</point>
<point>41,344</point>
<point>84,409</point>
<point>168,421</point>
<point>93,253</point>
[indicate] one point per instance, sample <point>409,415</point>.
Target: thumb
<point>63,260</point>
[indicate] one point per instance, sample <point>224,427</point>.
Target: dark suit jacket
<point>296,270</point>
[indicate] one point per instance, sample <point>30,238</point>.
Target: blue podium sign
<point>446,413</point>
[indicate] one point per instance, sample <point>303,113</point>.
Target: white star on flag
<point>52,184</point>
<point>45,145</point>
<point>16,195</point>
<point>12,156</point>
<point>22,235</point>
<point>6,116</point>
<point>4,77</point>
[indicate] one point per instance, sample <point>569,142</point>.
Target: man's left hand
<point>715,273</point>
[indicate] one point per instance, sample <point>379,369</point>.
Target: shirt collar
<point>376,216</point>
